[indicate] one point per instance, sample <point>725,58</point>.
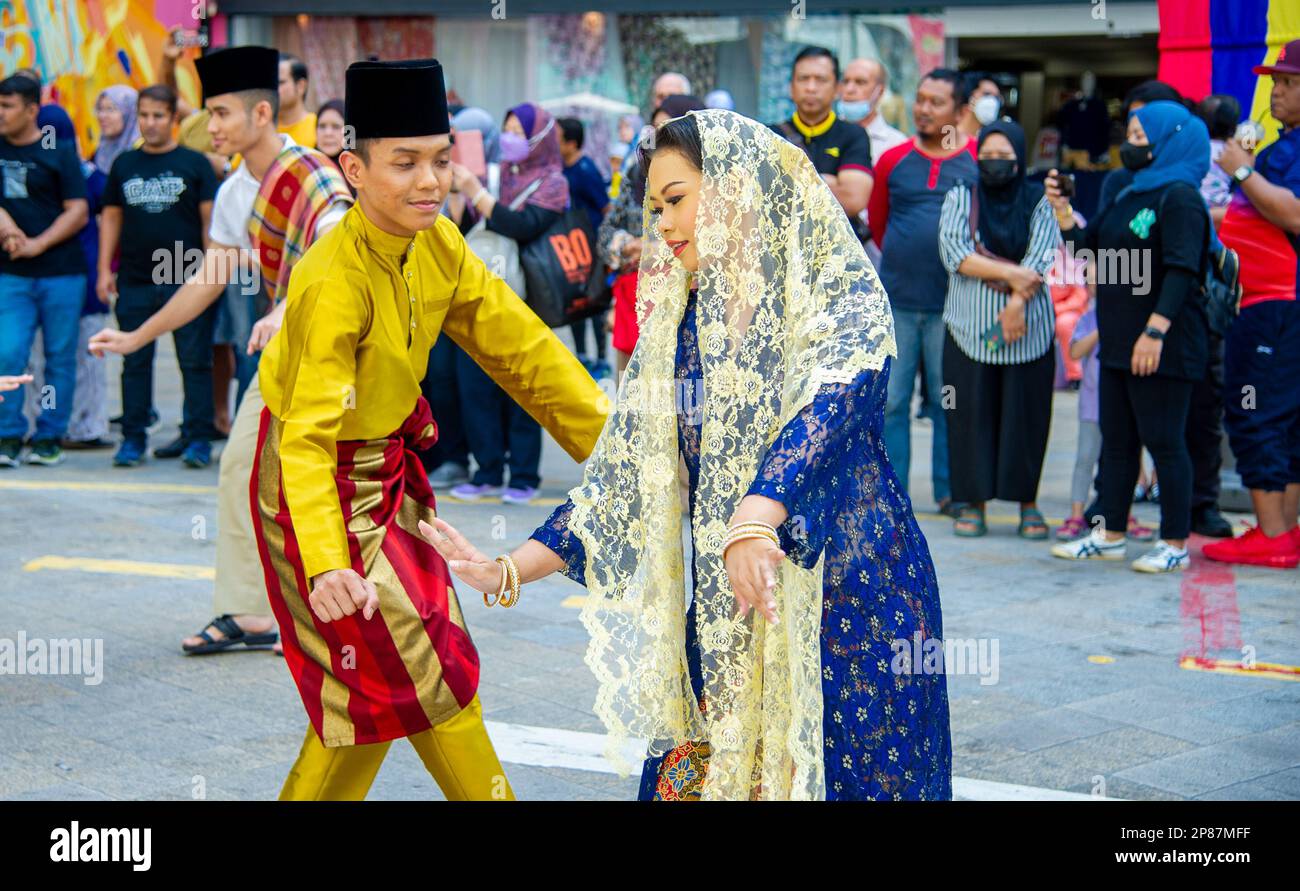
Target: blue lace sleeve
<point>555,534</point>
<point>802,467</point>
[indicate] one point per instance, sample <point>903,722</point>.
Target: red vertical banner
<point>1186,53</point>
<point>927,41</point>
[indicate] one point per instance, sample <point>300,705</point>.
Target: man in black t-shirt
<point>157,204</point>
<point>838,149</point>
<point>42,268</point>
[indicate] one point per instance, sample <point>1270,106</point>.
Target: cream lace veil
<point>787,301</point>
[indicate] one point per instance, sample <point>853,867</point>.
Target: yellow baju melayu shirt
<point>364,308</point>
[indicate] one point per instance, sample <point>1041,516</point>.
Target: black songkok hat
<point>406,98</point>
<point>239,68</point>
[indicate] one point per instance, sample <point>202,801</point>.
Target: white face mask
<point>986,109</point>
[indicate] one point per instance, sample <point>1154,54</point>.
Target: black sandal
<point>233,635</point>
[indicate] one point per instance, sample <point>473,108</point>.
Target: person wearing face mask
<point>997,241</point>
<point>1153,329</point>
<point>534,193</point>
<point>861,90</point>
<point>984,105</point>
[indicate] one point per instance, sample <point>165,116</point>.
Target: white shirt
<point>233,207</point>
<point>883,137</point>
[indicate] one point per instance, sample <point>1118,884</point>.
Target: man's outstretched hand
<point>110,340</point>
<point>341,592</point>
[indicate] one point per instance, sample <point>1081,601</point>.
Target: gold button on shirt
<point>364,309</point>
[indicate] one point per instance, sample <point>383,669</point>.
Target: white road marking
<point>578,750</point>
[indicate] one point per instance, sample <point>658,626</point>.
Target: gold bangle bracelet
<point>505,578</point>
<point>511,579</point>
<point>732,539</point>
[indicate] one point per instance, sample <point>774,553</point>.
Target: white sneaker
<point>1092,546</point>
<point>1164,557</point>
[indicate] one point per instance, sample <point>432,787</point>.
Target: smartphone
<point>467,149</point>
<point>992,337</point>
<point>1065,182</point>
<point>192,38</point>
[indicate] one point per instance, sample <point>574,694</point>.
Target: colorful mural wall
<point>82,46</point>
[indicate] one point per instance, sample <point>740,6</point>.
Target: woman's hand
<point>1012,318</point>
<point>469,564</point>
<point>1052,189</point>
<point>1024,281</point>
<point>463,180</point>
<point>1146,355</point>
<point>751,568</point>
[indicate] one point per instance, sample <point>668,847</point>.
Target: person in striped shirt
<point>997,241</point>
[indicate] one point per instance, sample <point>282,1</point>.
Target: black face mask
<point>1135,157</point>
<point>997,172</point>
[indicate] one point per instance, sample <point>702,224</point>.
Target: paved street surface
<point>1096,688</point>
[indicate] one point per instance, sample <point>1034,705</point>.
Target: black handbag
<point>1222,289</point>
<point>564,279</point>
<point>1220,282</point>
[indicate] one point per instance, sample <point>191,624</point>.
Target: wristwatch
<point>1154,333</point>
<point>1242,172</point>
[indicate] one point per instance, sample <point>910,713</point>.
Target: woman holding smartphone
<point>998,240</point>
<point>1152,326</point>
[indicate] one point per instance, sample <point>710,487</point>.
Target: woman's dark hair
<point>332,105</point>
<point>1151,91</point>
<point>1221,113</point>
<point>679,135</point>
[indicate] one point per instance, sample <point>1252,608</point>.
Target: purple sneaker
<point>471,492</point>
<point>521,495</point>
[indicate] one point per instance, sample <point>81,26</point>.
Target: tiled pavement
<point>1089,694</point>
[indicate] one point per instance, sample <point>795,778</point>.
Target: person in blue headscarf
<point>1149,247</point>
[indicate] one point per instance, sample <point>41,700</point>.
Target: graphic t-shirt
<point>160,196</point>
<point>35,180</point>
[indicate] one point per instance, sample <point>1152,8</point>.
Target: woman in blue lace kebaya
<point>766,671</point>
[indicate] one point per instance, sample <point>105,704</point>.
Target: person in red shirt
<point>1261,356</point>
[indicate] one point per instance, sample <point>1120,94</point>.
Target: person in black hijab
<point>998,241</point>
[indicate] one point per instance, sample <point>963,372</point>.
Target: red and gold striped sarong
<point>413,665</point>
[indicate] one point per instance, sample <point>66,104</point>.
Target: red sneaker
<point>1254,548</point>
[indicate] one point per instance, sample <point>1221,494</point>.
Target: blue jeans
<point>920,336</point>
<point>54,303</point>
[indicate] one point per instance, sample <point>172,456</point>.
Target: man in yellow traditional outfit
<point>372,630</point>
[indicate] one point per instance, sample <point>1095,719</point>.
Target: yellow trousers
<point>457,753</point>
